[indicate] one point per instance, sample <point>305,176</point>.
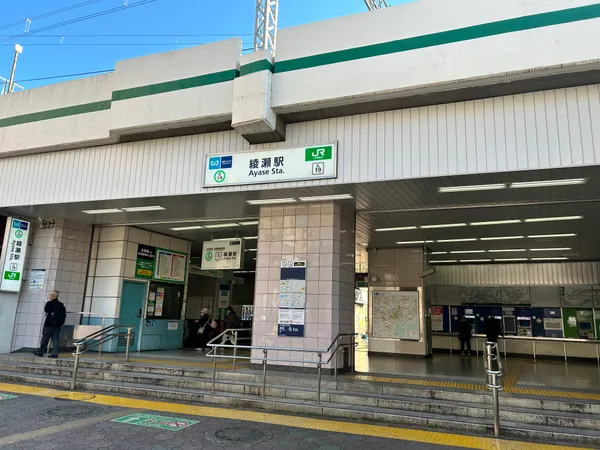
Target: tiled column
<point>322,234</point>
<point>63,251</point>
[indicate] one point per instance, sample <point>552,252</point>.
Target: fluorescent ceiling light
<point>544,236</point>
<point>496,222</point>
<point>445,261</point>
<point>254,222</point>
<point>474,260</point>
<point>320,198</point>
<point>413,242</point>
<point>195,227</point>
<point>144,208</point>
<point>509,259</point>
<point>555,249</point>
<point>501,238</point>
<point>476,187</point>
<point>548,183</point>
<point>396,229</point>
<point>553,219</point>
<point>456,240</point>
<point>102,211</point>
<point>444,225</point>
<point>222,225</point>
<point>457,252</point>
<point>244,271</point>
<point>558,258</point>
<point>250,238</point>
<point>507,250</point>
<point>271,201</point>
<point>439,253</point>
<point>251,249</point>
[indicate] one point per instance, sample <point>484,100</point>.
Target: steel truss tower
<point>265,25</point>
<point>376,4</point>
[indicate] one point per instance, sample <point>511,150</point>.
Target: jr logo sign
<point>318,153</point>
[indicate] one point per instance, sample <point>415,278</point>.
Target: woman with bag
<point>205,330</point>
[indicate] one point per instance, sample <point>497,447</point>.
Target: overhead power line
<point>49,13</point>
<point>80,19</point>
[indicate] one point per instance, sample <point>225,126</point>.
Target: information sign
<point>271,166</point>
<point>14,252</point>
<point>144,265</point>
<point>222,255</point>
<point>36,279</point>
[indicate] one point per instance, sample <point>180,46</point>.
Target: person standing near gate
<point>56,314</point>
<point>465,330</point>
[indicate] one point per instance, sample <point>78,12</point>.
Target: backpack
<point>58,315</point>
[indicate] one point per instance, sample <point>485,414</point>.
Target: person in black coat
<point>493,329</point>
<point>465,330</point>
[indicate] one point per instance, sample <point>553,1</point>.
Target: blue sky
<point>160,17</point>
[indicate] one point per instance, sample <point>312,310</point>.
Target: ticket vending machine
<point>509,321</point>
<point>524,327</point>
<point>585,324</point>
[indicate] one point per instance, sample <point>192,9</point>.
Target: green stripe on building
<point>445,37</point>
<point>56,113</point>
<point>175,85</point>
<point>256,66</point>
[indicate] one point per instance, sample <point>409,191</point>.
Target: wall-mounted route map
<point>396,314</point>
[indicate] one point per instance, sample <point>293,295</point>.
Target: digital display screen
<point>585,326</point>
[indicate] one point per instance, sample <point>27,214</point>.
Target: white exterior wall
<point>62,132</point>
<point>425,69</point>
<point>558,128</point>
<point>180,107</point>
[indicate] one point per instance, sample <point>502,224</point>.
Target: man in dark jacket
<point>465,330</point>
<point>56,315</point>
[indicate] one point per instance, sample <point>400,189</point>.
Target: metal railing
<point>96,340</point>
<point>533,340</point>
<point>331,351</point>
<point>494,378</point>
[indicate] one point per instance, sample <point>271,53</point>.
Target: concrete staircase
<point>529,417</point>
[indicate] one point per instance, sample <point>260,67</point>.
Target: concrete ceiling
<point>403,203</point>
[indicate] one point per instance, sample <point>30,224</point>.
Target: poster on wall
<point>291,322</point>
<point>396,315</point>
<point>170,266</point>
<point>292,298</point>
<point>14,251</point>
<point>160,299</point>
<point>37,278</point>
<point>437,318</point>
<point>144,264</point>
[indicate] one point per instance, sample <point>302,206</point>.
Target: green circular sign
<point>19,234</point>
<point>208,256</point>
<point>219,176</point>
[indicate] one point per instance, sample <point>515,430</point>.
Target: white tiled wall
<point>322,234</point>
<point>63,252</point>
<point>113,259</point>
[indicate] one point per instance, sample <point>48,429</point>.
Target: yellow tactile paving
<point>509,387</point>
<point>403,434</point>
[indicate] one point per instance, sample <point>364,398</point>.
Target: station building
<point>442,162</point>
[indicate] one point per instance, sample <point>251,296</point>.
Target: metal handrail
<point>97,339</point>
<point>335,345</point>
<point>494,378</point>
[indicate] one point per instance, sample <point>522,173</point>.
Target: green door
<point>132,305</point>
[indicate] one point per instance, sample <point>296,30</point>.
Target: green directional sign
<point>318,153</point>
<point>152,421</point>
<point>208,256</point>
<point>6,396</point>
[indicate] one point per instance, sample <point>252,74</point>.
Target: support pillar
<point>322,234</point>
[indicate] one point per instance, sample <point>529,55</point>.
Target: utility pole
<point>265,25</point>
<point>376,4</point>
<point>9,87</point>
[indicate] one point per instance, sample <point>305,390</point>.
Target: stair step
<point>362,413</point>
